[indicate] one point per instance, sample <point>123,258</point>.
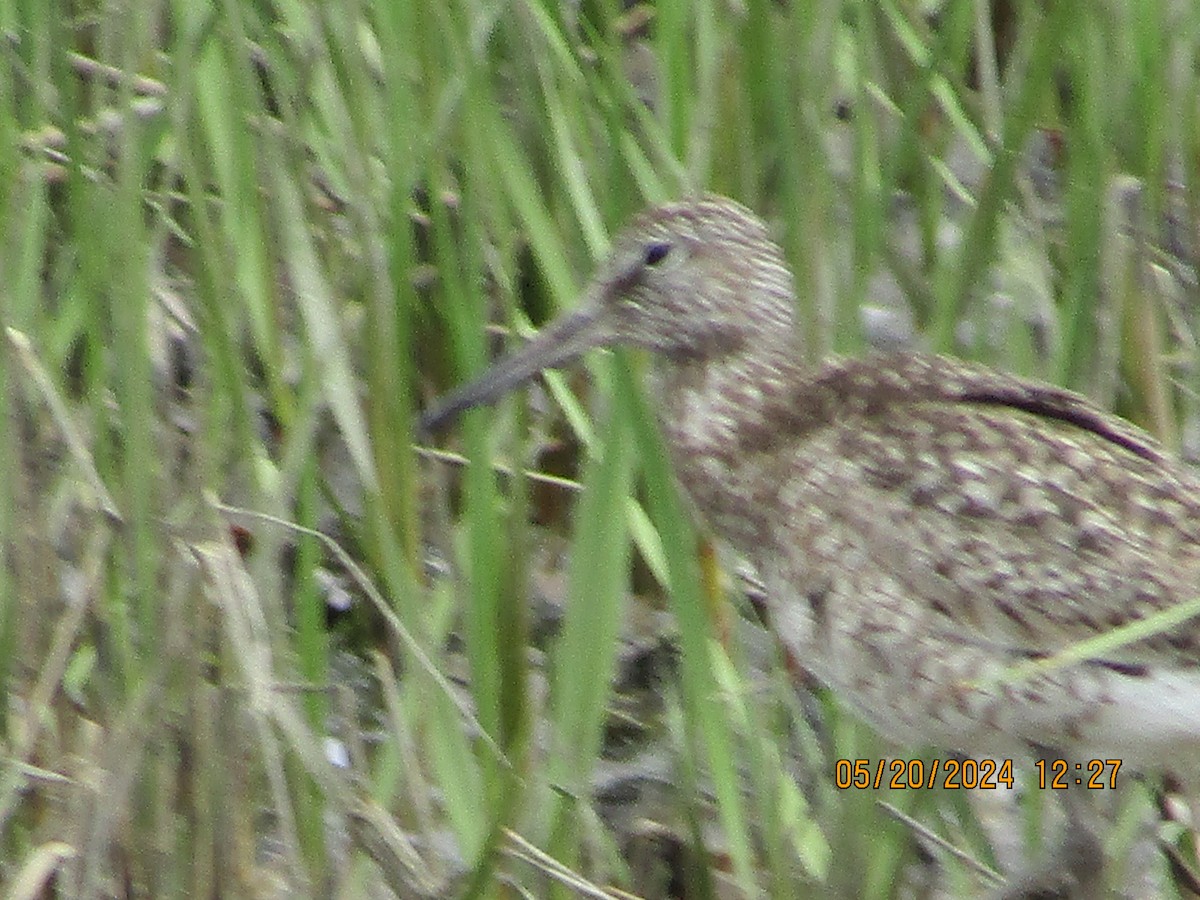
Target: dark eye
<point>656,253</point>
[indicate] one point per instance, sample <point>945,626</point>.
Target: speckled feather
<point>922,524</point>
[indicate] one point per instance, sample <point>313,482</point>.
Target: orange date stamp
<point>970,774</point>
<point>923,774</point>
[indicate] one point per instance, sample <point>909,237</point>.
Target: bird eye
<point>656,253</point>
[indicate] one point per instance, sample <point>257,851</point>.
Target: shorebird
<point>924,527</point>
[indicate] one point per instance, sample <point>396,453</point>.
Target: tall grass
<point>243,243</point>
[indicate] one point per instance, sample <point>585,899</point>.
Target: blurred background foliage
<point>255,641</point>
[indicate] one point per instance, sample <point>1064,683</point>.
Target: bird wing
<point>1011,514</point>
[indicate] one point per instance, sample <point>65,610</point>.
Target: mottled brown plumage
<point>922,525</point>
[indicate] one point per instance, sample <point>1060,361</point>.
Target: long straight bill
<point>556,345</point>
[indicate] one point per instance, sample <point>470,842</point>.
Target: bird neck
<point>707,398</point>
<point>706,406</point>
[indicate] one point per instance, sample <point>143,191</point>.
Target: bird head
<point>690,281</point>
